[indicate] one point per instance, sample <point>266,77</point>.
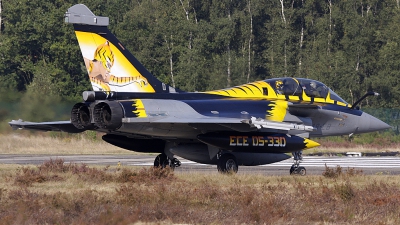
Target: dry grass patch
<point>112,195</point>
<point>16,143</point>
<point>339,148</point>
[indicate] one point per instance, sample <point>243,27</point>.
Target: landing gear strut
<point>296,169</point>
<point>162,160</point>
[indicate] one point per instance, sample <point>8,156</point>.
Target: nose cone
<point>369,123</point>
<point>310,143</point>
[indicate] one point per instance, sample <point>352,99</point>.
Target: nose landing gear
<point>296,169</point>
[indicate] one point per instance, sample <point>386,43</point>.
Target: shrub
<point>146,175</point>
<point>338,171</point>
<point>49,171</point>
<point>93,174</point>
<point>332,173</point>
<point>27,176</point>
<point>53,165</point>
<point>345,191</point>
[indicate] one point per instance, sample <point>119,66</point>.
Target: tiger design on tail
<point>99,70</point>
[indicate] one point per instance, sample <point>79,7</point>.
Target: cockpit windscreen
<point>295,87</point>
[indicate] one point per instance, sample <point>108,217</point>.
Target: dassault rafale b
<point>252,124</point>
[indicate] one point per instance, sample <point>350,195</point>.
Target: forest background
<point>198,45</point>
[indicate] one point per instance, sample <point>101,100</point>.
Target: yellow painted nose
<point>310,143</point>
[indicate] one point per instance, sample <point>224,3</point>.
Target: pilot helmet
<point>313,84</point>
<point>279,84</point>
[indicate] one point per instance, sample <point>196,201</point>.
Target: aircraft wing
<point>65,126</point>
<point>204,123</point>
<point>236,124</point>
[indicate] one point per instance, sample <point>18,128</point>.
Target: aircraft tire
<point>301,171</point>
<point>227,164</point>
<point>298,171</point>
<point>161,161</point>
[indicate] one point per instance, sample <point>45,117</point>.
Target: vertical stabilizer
<point>111,67</point>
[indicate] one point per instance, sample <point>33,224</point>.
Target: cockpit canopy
<point>296,86</point>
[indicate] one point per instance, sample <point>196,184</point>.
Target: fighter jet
<point>252,124</point>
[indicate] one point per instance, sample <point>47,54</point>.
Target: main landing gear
<point>227,163</point>
<point>162,160</point>
<point>296,169</point>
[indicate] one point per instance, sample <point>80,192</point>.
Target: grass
<point>60,193</point>
<point>327,147</point>
<point>56,143</point>
<point>375,142</point>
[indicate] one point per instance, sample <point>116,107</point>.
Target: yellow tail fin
<point>110,66</point>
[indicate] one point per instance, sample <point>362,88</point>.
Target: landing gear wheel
<point>161,161</point>
<point>227,164</point>
<point>302,171</point>
<point>296,169</point>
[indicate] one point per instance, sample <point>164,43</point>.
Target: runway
<point>315,165</point>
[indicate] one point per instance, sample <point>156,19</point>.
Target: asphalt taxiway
<point>314,164</point>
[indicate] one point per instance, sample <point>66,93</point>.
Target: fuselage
<point>279,99</point>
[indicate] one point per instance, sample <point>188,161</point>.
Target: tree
<point>352,46</point>
<point>33,34</point>
<point>1,23</point>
